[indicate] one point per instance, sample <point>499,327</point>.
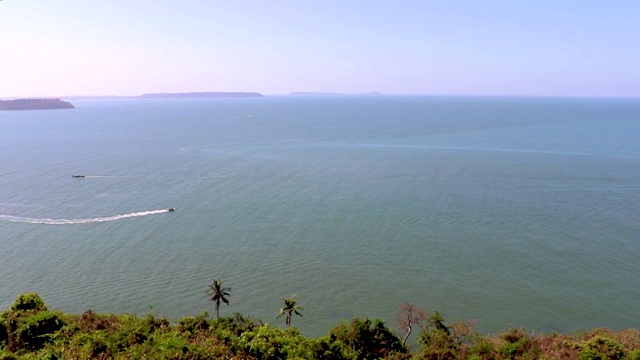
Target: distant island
<point>199,95</point>
<point>35,104</point>
<point>305,93</point>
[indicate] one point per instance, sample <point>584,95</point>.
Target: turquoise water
<point>508,211</point>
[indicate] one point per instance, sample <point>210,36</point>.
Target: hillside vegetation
<point>30,330</point>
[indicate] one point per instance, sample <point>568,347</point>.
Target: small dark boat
<point>77,176</point>
<point>171,209</point>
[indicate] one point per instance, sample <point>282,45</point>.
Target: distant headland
<point>35,104</point>
<point>199,95</point>
<point>305,93</point>
<point>189,95</point>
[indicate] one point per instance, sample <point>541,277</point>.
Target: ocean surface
<point>513,212</point>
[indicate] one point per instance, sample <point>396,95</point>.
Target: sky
<point>497,47</point>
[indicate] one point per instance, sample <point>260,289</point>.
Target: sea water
<point>513,212</point>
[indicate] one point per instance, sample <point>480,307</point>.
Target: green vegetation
<point>289,309</point>
<point>218,293</point>
<point>30,330</point>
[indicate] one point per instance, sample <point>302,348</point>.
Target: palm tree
<point>217,293</point>
<point>289,308</point>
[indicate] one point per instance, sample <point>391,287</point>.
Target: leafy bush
<point>265,342</point>
<point>27,324</point>
<point>518,344</point>
<point>359,339</point>
<point>4,331</point>
<point>192,324</point>
<point>90,321</point>
<point>634,355</point>
<point>29,331</point>
<point>438,344</point>
<point>600,348</point>
<point>28,301</point>
<point>35,331</point>
<point>437,341</point>
<point>236,324</point>
<point>482,349</point>
<point>93,346</point>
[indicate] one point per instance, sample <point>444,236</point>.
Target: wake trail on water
<point>47,221</point>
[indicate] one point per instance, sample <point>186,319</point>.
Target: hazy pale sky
<point>498,47</point>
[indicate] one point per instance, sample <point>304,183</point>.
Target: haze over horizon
<point>125,48</point>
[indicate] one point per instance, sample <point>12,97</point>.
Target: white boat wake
<point>79,221</point>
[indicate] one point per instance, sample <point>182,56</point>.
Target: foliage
<point>265,342</point>
<point>217,293</point>
<point>518,344</point>
<point>29,330</point>
<point>192,325</point>
<point>289,309</point>
<point>90,321</point>
<point>359,339</point>
<point>236,324</point>
<point>28,324</point>
<point>600,348</point>
<point>27,302</point>
<point>481,349</point>
<point>410,316</point>
<point>436,339</point>
<point>34,331</point>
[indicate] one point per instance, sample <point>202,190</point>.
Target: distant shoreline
<point>199,95</point>
<point>35,104</point>
<point>189,95</point>
<point>204,95</point>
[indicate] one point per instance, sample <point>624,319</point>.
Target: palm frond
<point>217,293</point>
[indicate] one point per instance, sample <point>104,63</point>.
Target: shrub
<point>174,346</point>
<point>192,324</point>
<point>438,344</point>
<point>4,331</point>
<point>265,342</point>
<point>236,324</point>
<point>599,347</point>
<point>28,301</point>
<point>437,340</point>
<point>359,339</point>
<point>22,313</point>
<point>93,345</point>
<point>35,331</point>
<point>482,350</point>
<point>518,344</point>
<point>90,321</point>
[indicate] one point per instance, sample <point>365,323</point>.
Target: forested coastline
<point>29,329</point>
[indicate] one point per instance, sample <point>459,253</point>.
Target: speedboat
<point>171,209</point>
<point>77,176</point>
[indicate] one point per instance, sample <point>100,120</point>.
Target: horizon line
<point>318,93</point>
